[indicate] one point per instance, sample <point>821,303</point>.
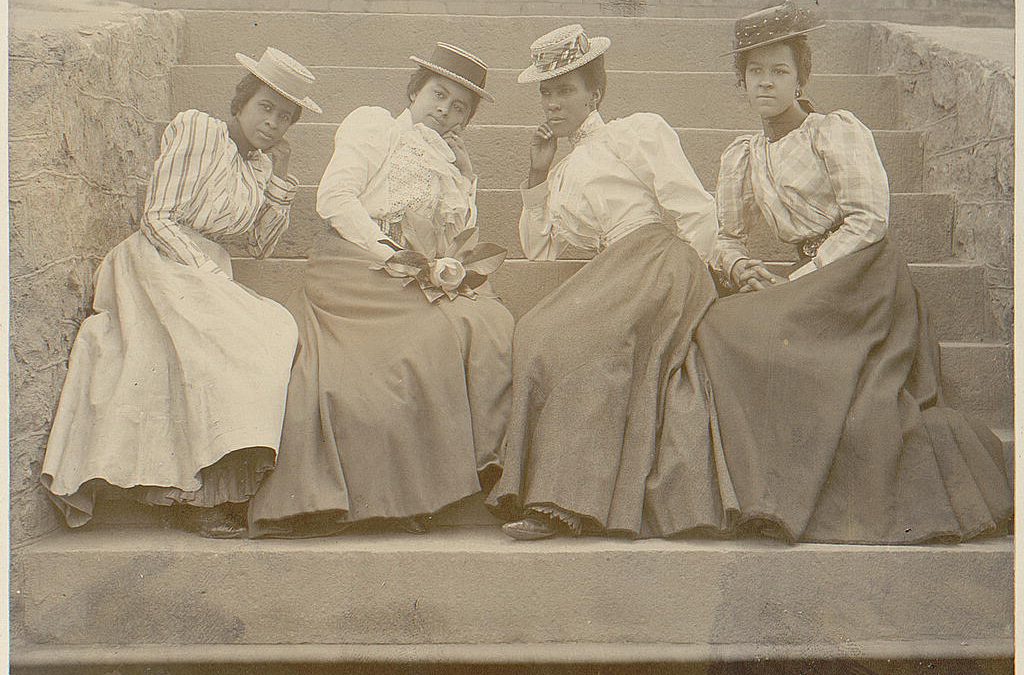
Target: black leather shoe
<point>530,529</point>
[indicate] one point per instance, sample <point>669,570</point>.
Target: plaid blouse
<point>201,182</point>
<point>825,175</point>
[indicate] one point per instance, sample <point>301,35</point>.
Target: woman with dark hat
<point>826,379</point>
<point>176,386</point>
<point>599,361</point>
<point>398,400</point>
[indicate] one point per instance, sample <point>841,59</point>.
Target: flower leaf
<point>419,234</point>
<point>409,259</point>
<point>485,259</point>
<point>473,280</point>
<point>463,243</point>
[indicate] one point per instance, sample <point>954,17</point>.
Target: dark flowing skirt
<point>396,407</point>
<point>831,413</point>
<point>610,414</point>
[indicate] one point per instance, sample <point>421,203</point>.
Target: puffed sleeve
<point>272,220</point>
<point>859,181</point>
<point>653,152</point>
<point>361,145</point>
<point>734,196</point>
<point>538,232</point>
<point>188,150</point>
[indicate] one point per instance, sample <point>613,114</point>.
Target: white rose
<point>447,273</point>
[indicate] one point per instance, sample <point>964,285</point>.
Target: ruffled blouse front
<point>384,167</point>
<point>618,177</point>
<point>823,178</point>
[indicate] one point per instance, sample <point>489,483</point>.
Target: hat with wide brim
<point>561,51</point>
<point>775,24</point>
<point>283,74</point>
<point>459,66</point>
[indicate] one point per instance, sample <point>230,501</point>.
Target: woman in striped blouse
<point>825,380</point>
<point>176,386</point>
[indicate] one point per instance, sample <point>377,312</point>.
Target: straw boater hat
<point>563,49</point>
<point>283,74</point>
<point>774,24</point>
<point>459,66</point>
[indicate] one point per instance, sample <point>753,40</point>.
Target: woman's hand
<point>752,275</point>
<point>280,153</point>
<point>462,162</point>
<point>543,145</point>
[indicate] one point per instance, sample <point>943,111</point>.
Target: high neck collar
<point>592,123</point>
<point>783,123</point>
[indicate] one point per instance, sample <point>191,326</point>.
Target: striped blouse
<point>825,175</point>
<point>201,182</point>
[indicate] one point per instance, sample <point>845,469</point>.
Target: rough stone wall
<point>965,102</point>
<point>82,106</point>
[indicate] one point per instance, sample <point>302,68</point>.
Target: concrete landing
<point>472,594</point>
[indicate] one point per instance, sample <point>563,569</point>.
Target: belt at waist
<point>621,230</point>
<point>808,248</point>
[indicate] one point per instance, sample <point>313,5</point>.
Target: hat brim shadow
<point>252,66</point>
<point>780,38</point>
<point>454,77</point>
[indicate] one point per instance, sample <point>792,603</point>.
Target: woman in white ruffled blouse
<point>176,386</point>
<point>825,376</point>
<point>599,361</point>
<point>397,406</point>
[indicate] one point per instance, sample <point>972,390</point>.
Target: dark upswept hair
<point>801,50</point>
<point>419,78</point>
<point>594,77</point>
<point>246,89</point>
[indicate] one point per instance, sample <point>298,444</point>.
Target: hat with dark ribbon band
<point>772,25</point>
<point>459,66</point>
<point>283,74</point>
<point>560,51</point>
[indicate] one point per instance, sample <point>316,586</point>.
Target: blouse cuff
<point>729,259</point>
<point>535,196</point>
<point>282,190</point>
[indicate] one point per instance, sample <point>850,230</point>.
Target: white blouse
<point>824,175</point>
<point>202,184</point>
<point>618,177</point>
<point>384,166</point>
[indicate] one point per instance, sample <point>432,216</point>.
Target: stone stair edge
<point>502,653</point>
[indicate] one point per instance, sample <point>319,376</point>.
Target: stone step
<point>996,13</point>
<point>358,39</point>
<point>720,103</point>
<point>460,592</point>
<point>921,224</point>
<point>501,153</point>
<point>963,316</point>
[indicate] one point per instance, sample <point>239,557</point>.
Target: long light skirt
<point>396,406</point>
<point>177,370</point>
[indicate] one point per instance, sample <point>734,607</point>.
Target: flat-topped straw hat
<point>563,49</point>
<point>774,24</point>
<point>283,74</point>
<point>459,66</point>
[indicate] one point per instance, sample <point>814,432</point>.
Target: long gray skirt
<point>611,416</point>
<point>396,406</point>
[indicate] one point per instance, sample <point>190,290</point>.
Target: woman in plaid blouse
<point>825,377</point>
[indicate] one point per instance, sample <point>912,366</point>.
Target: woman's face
<point>441,104</point>
<point>266,117</point>
<point>771,79</point>
<point>566,102</point>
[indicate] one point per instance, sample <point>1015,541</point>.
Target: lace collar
<point>594,122</point>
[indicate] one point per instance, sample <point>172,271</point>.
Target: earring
<point>798,92</point>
